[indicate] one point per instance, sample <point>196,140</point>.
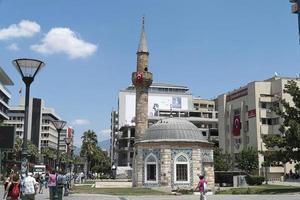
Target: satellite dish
<point>275,73</point>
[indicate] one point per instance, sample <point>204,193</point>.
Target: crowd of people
<point>33,184</point>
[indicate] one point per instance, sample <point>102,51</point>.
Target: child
<point>201,185</point>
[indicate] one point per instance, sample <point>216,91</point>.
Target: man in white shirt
<point>29,184</point>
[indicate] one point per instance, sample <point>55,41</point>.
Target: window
<point>246,126</point>
<point>151,169</point>
<point>270,121</point>
<point>181,169</point>
<point>203,105</point>
<point>204,133</point>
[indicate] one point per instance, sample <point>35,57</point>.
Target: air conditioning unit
<point>269,110</point>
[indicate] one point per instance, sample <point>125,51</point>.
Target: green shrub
<point>254,180</point>
<point>184,191</point>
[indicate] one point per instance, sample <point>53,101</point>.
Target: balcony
<point>269,129</point>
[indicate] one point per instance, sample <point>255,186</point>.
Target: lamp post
<point>68,141</point>
<point>59,125</point>
<point>28,68</point>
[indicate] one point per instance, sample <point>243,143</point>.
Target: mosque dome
<point>173,129</point>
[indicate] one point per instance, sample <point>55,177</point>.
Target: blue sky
<point>89,48</point>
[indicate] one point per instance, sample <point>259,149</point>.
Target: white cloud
<point>25,28</point>
<point>64,40</point>
<point>104,135</point>
<point>80,122</point>
<point>13,47</point>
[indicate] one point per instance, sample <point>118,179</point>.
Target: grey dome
<point>173,129</point>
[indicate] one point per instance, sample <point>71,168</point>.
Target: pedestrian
<point>52,184</point>
<point>12,191</point>
<point>7,181</point>
<point>202,187</point>
<point>46,179</point>
<point>41,184</point>
<point>30,185</point>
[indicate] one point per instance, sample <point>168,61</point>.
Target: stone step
<point>110,184</point>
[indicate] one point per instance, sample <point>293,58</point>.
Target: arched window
<point>181,169</point>
<point>151,168</point>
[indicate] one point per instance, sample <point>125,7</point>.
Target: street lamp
<point>28,68</point>
<point>59,125</point>
<point>68,141</point>
<point>296,10</point>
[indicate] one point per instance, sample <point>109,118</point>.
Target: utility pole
<point>296,10</point>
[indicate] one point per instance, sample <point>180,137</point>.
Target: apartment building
<point>41,131</point>
<point>165,100</point>
<point>4,94</point>
<point>245,115</point>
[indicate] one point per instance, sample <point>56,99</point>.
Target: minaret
<point>141,79</point>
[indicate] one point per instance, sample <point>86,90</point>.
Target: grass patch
<point>116,191</point>
<point>263,189</point>
<point>89,182</point>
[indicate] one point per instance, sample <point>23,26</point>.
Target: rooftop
<point>173,129</point>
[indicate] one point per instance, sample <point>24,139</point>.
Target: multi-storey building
<point>245,115</point>
<point>4,94</point>
<point>41,131</point>
<point>165,100</point>
<point>113,135</point>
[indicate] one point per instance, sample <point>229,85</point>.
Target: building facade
<point>41,131</point>
<point>246,114</point>
<point>4,94</point>
<point>165,100</point>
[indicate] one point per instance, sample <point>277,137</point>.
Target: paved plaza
<point>45,195</point>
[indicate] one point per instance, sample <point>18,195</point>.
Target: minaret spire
<point>143,48</point>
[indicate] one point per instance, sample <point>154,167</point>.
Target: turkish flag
<point>139,77</point>
<point>236,129</point>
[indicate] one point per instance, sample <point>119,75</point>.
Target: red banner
<point>252,113</point>
<point>236,129</point>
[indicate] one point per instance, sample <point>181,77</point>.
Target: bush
<point>254,180</point>
<point>184,191</point>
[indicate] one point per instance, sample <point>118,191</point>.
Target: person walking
<point>202,186</point>
<point>29,184</point>
<point>41,184</point>
<point>52,184</point>
<point>13,188</point>
<point>46,180</point>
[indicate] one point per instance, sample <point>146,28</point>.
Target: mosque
<point>171,153</point>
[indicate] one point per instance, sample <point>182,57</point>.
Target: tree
<point>222,161</point>
<point>247,160</point>
<point>89,146</point>
<point>33,152</point>
<point>96,158</point>
<point>286,147</point>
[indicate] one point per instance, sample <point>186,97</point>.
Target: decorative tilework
<point>155,152</point>
<point>188,153</point>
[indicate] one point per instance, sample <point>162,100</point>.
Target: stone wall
<point>166,164</point>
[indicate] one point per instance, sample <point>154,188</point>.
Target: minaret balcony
<point>143,79</point>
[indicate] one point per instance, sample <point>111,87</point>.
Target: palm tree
<point>49,155</point>
<point>89,146</point>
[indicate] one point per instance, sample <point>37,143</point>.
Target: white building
<point>4,94</point>
<point>40,130</point>
<point>245,115</point>
<point>164,100</point>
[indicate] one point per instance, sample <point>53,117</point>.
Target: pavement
<point>45,195</point>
